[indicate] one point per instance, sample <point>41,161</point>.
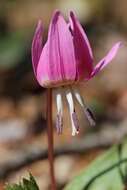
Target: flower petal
<point>43,67</point>
<point>58,57</point>
<point>83,52</point>
<point>107,59</point>
<point>37,46</point>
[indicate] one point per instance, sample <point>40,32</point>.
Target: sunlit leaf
<point>108,172</point>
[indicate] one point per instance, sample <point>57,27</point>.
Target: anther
<point>59,124</point>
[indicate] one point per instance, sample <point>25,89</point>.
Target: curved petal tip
<point>107,59</point>
<point>39,23</point>
<point>71,13</point>
<point>55,15</point>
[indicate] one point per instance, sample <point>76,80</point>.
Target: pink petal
<point>107,59</point>
<point>37,46</point>
<point>83,52</point>
<point>57,62</point>
<point>43,67</point>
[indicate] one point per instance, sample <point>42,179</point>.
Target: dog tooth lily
<point>66,59</point>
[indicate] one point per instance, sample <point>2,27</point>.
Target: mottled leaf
<point>107,172</point>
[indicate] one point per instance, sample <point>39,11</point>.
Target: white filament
<point>59,103</point>
<point>79,97</point>
<point>71,107</point>
<point>87,112</point>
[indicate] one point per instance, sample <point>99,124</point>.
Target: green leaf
<point>24,184</point>
<point>30,184</point>
<point>33,182</point>
<point>108,172</point>
<point>13,187</point>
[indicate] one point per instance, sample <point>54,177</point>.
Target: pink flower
<point>66,59</point>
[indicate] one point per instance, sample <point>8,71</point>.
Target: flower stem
<point>50,138</point>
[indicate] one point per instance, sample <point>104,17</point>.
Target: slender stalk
<point>50,138</point>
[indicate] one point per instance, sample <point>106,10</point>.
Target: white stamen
<point>87,112</point>
<point>59,116</point>
<point>71,107</point>
<point>78,97</point>
<point>59,103</point>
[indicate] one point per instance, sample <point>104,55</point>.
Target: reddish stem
<point>50,138</point>
<point>125,188</point>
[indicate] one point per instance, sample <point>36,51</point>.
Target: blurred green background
<point>22,100</point>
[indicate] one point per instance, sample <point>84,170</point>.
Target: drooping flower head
<point>66,59</point>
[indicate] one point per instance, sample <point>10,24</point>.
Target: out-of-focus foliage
<point>12,49</point>
<point>108,172</point>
